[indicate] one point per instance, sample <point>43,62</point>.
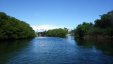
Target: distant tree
<point>66,29</point>
<point>57,32</point>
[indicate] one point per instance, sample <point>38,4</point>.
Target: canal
<point>54,50</point>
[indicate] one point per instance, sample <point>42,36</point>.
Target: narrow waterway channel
<point>54,50</point>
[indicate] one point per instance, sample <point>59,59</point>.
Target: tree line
<point>58,32</point>
<point>102,26</point>
<point>12,28</point>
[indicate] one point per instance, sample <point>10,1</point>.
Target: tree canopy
<point>12,28</point>
<point>57,32</point>
<point>102,26</point>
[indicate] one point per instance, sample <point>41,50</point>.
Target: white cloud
<point>41,28</point>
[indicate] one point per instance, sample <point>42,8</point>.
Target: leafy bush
<point>57,33</point>
<point>12,28</point>
<point>102,26</point>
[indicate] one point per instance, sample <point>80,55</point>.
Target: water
<point>53,50</point>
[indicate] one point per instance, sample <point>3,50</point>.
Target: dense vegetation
<point>57,32</point>
<point>102,26</point>
<point>12,28</point>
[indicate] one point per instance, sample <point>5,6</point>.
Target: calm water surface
<point>53,50</point>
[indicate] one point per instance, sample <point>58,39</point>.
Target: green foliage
<point>57,32</point>
<point>12,28</point>
<point>102,26</point>
<point>83,29</point>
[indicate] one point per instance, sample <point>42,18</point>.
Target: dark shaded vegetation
<point>42,34</point>
<point>57,32</point>
<point>104,45</point>
<point>12,28</point>
<point>11,46</point>
<point>102,28</point>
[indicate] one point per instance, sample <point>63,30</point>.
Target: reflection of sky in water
<point>51,50</point>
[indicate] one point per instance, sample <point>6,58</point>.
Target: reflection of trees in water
<point>106,46</point>
<point>11,46</point>
<point>82,42</point>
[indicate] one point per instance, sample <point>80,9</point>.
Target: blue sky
<point>56,13</point>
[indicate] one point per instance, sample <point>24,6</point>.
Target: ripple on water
<point>53,50</point>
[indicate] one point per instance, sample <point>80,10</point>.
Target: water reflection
<point>105,46</point>
<point>9,48</point>
<point>53,50</point>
